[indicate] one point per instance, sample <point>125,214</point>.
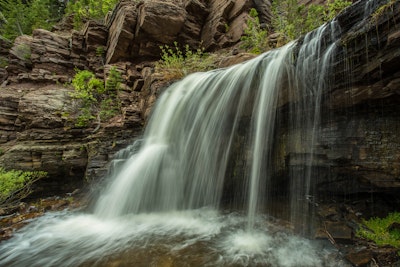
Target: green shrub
<point>97,98</point>
<point>113,82</point>
<point>254,39</point>
<point>16,185</point>
<point>87,86</point>
<point>292,20</point>
<point>176,63</point>
<point>84,10</point>
<point>379,230</point>
<point>18,17</point>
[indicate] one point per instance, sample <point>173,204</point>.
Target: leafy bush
<point>16,185</point>
<point>176,63</point>
<point>292,20</point>
<point>96,98</point>
<point>255,38</point>
<point>89,9</point>
<point>18,17</point>
<point>379,230</point>
<point>87,86</point>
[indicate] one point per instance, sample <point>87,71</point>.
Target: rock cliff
<point>35,130</point>
<point>359,142</point>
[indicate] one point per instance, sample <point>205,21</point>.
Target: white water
<point>184,238</point>
<point>165,198</point>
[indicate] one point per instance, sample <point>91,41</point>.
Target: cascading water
<point>310,80</point>
<point>166,197</point>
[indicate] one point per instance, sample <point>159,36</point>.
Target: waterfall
<point>166,192</point>
<point>310,81</point>
<point>183,160</point>
<point>182,163</point>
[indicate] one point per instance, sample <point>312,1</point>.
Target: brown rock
<point>216,23</point>
<point>359,258</point>
<point>160,21</point>
<point>121,32</point>
<point>339,231</point>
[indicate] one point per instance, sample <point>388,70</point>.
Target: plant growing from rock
<point>16,185</point>
<point>84,10</point>
<point>255,38</point>
<point>97,99</point>
<point>176,63</point>
<point>292,20</point>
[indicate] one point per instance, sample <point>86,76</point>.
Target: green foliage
<point>292,20</point>
<point>111,105</point>
<point>175,63</point>
<point>113,82</point>
<point>379,230</point>
<point>100,51</point>
<point>109,108</point>
<point>21,17</point>
<point>255,38</point>
<point>96,98</point>
<point>16,184</point>
<point>335,7</point>
<point>288,18</point>
<point>89,9</point>
<point>87,86</point>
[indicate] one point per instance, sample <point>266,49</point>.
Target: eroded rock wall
<point>36,131</point>
<point>356,149</point>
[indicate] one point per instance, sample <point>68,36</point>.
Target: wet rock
<point>359,258</point>
<point>337,232</point>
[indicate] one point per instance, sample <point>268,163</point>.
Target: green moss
<point>379,230</point>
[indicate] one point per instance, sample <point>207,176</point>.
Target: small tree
<point>97,99</point>
<point>255,38</point>
<point>18,17</point>
<point>16,185</point>
<point>89,9</point>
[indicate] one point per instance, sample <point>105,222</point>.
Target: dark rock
<point>359,258</point>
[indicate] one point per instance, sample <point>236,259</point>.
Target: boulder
<point>122,25</point>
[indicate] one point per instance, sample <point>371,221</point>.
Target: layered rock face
<point>362,138</point>
<point>36,132</point>
<point>358,142</point>
<point>356,149</point>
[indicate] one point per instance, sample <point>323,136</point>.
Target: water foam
<point>67,239</point>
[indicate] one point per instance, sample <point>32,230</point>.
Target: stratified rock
<point>160,21</point>
<point>197,13</point>
<point>5,46</point>
<point>20,56</point>
<point>122,26</point>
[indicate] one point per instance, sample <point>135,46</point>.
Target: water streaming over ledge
<point>165,197</point>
